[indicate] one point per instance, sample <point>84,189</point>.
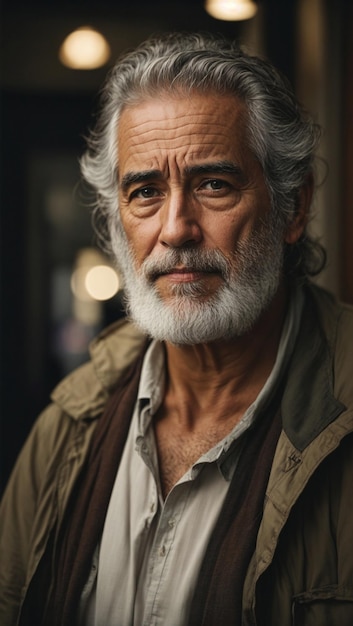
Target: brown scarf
<point>219,588</point>
<point>218,596</point>
<point>89,502</point>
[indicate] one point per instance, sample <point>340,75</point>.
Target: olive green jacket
<point>301,573</point>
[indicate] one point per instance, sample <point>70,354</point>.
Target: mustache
<point>210,261</point>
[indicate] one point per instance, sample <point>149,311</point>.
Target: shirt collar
<point>152,384</point>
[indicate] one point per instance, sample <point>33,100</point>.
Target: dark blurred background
<point>46,108</point>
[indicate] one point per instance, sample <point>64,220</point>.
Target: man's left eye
<point>215,184</point>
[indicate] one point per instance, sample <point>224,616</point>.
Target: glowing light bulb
<point>102,282</point>
<point>231,10</point>
<point>84,49</point>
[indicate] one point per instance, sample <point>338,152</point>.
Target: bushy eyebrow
<point>216,167</point>
<point>131,178</point>
<point>213,168</point>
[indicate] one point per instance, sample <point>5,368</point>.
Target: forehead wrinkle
<point>179,136</point>
<point>189,118</point>
<point>197,112</point>
<point>192,154</point>
<point>167,129</point>
<point>188,147</point>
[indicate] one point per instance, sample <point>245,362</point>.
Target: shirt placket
<point>169,513</point>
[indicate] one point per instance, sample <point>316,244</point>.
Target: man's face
<point>196,213</point>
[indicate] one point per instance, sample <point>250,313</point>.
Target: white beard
<point>250,280</point>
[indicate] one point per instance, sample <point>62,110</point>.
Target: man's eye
<point>145,193</point>
<point>215,184</point>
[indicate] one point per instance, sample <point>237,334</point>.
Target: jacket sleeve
<point>29,506</point>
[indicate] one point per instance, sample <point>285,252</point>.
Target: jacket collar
<point>308,404</point>
<point>84,393</point>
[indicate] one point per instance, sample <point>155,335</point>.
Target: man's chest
<point>178,452</point>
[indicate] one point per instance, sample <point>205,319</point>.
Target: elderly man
<point>198,471</point>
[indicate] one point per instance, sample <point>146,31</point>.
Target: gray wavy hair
<point>282,136</point>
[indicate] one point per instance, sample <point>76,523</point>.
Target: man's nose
<point>179,222</point>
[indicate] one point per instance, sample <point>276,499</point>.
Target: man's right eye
<point>144,193</point>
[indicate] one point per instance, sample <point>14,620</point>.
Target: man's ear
<point>297,225</point>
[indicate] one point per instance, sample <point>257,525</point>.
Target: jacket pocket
<point>328,606</point>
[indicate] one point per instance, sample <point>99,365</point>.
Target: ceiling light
<point>231,10</point>
<point>84,49</point>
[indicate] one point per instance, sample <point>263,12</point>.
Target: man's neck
<point>218,381</point>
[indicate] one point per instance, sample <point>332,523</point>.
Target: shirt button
<point>162,551</point>
<point>171,522</point>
